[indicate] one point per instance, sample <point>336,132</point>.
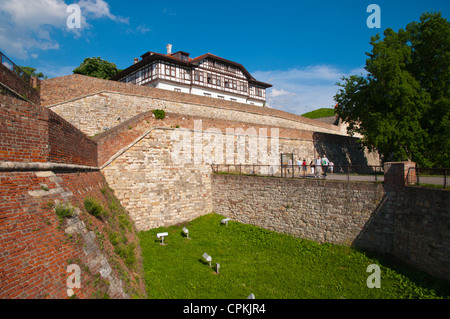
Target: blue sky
<point>301,47</point>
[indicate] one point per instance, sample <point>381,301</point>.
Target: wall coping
<point>43,166</point>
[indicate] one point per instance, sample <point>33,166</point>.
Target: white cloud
<point>28,26</point>
<point>276,93</point>
<point>305,89</point>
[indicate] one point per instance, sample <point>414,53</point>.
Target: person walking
<point>312,165</point>
<point>331,167</point>
<point>304,167</point>
<point>299,164</point>
<point>325,163</point>
<point>318,167</point>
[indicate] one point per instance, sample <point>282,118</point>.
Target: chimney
<point>136,60</point>
<point>169,49</point>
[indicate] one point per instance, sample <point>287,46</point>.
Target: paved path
<point>371,178</point>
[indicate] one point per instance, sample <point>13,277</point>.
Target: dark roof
<point>149,57</point>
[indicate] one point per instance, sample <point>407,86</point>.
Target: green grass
<point>323,112</point>
<point>269,265</point>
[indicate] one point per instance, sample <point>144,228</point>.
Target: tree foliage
<point>32,72</point>
<point>402,106</point>
<point>97,67</point>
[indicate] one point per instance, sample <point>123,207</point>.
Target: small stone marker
<point>186,231</point>
<point>217,267</point>
<point>207,258</point>
<point>162,235</point>
<point>225,221</point>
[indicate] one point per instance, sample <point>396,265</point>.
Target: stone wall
<point>411,224</point>
<point>155,190</point>
<point>92,104</point>
<point>161,173</point>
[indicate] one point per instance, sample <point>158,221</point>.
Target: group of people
<point>319,166</point>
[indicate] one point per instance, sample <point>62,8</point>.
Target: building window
<point>234,100</point>
<point>167,70</point>
<point>209,79</point>
<point>220,97</point>
<point>207,94</point>
<point>177,90</point>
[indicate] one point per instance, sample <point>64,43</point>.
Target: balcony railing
<point>15,68</point>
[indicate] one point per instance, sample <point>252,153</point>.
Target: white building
<point>207,75</point>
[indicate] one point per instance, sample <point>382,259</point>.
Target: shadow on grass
<point>418,277</point>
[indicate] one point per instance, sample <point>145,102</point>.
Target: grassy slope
<point>323,112</point>
<point>265,263</point>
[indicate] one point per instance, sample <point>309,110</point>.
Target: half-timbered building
<point>207,75</point>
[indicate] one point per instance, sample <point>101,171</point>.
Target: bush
<point>63,211</point>
<point>93,207</point>
<point>159,114</point>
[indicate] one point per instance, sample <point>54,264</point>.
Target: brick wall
<point>409,223</point>
<point>36,248</point>
<point>13,82</point>
<point>31,133</point>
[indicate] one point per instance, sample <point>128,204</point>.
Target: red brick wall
<point>34,250</point>
<point>31,133</point>
<point>12,81</point>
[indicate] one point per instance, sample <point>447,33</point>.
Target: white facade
<point>207,75</point>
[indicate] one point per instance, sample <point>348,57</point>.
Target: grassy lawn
<point>269,265</point>
<point>323,112</point>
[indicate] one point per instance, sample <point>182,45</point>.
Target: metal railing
<point>336,172</point>
<point>425,176</point>
<point>15,68</point>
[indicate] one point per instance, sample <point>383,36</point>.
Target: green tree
<point>32,72</point>
<point>96,67</point>
<point>402,106</point>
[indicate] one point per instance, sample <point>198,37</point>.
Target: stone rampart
<point>160,169</point>
<point>94,104</point>
<point>409,223</point>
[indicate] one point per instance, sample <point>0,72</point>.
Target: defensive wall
<point>411,224</point>
<point>25,87</point>
<point>154,169</point>
<point>47,164</point>
<point>80,99</point>
<point>136,151</point>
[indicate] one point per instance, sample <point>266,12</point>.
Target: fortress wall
<point>27,89</point>
<point>161,173</point>
<point>45,163</point>
<point>411,224</point>
<point>155,190</point>
<point>72,93</point>
<point>93,113</point>
<point>31,133</point>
